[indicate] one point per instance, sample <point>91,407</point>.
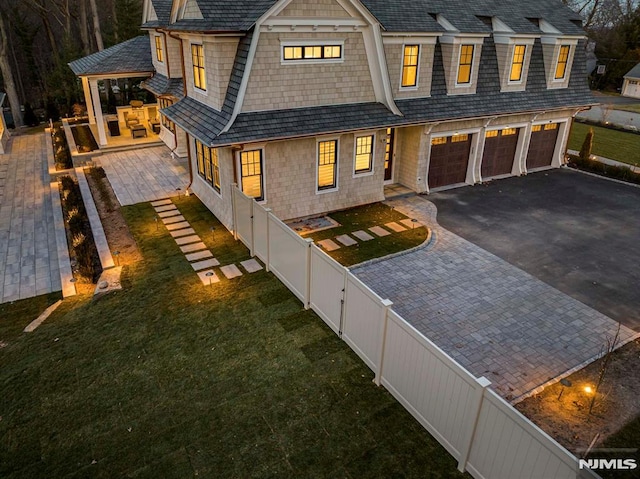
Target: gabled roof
<point>132,56</point>
<point>163,12</point>
<point>419,15</point>
<point>634,72</point>
<point>160,85</point>
<point>226,15</point>
<point>206,123</point>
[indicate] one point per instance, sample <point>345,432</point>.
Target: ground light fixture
<point>209,274</point>
<point>565,384</point>
<point>588,389</point>
<point>213,233</point>
<point>157,224</point>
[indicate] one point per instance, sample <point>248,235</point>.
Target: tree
<point>585,151</point>
<point>7,74</point>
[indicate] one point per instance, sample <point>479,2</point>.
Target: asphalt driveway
<point>577,233</point>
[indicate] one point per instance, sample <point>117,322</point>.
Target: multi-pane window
<point>159,52</point>
<point>168,124</point>
<point>410,65</point>
<point>563,58</point>
<point>364,154</point>
<point>509,131</point>
<point>199,74</point>
<point>312,52</point>
<point>459,138</point>
<point>517,63</point>
<point>251,174</point>
<point>327,164</point>
<point>440,140</point>
<point>208,165</point>
<point>465,64</point>
<point>491,134</point>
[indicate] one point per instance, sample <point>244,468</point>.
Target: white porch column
<point>88,100</point>
<point>95,96</point>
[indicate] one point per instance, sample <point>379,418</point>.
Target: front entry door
<point>388,155</point>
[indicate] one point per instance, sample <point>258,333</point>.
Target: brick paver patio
<point>493,318</point>
<point>28,258</point>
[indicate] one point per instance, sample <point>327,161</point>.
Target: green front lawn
<point>362,218</point>
<point>626,438</point>
<point>170,378</point>
<point>631,108</point>
<point>613,144</point>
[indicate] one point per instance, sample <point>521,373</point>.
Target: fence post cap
<point>308,240</point>
<point>484,382</point>
<point>387,303</point>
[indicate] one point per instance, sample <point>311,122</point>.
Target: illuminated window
<point>251,172</point>
<point>441,140</point>
<point>509,131</point>
<point>464,66</point>
<point>491,134</point>
<point>208,166</point>
<point>410,65</point>
<point>517,63</point>
<point>168,124</point>
<point>459,138</point>
<point>536,128</point>
<point>327,164</point>
<point>159,52</point>
<point>551,126</point>
<point>312,52</point>
<point>364,154</point>
<point>563,58</point>
<point>199,74</point>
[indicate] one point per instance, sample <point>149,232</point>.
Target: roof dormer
<point>558,51</point>
<point>513,52</point>
<point>185,9</point>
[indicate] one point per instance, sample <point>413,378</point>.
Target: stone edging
<point>62,248</point>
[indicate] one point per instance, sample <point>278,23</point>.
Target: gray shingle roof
<point>161,85</point>
<point>634,72</point>
<point>163,12</point>
<point>226,15</point>
<point>418,15</point>
<point>206,123</point>
<point>132,56</point>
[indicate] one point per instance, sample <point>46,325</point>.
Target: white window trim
<point>373,154</point>
<point>411,88</point>
<point>262,169</point>
<point>309,43</point>
<point>337,167</point>
<point>204,60</point>
<point>473,63</point>
<point>524,64</point>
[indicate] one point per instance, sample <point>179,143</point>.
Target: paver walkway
<point>493,318</point>
<point>147,174</point>
<point>28,257</point>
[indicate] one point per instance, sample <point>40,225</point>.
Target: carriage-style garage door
<point>449,160</point>
<point>499,152</point>
<point>542,145</point>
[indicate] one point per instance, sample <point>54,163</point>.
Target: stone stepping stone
<point>178,226</point>
<point>199,255</point>
<point>231,271</point>
<point>379,231</point>
<point>395,227</point>
<point>251,265</point>
<point>184,232</point>
<point>409,223</point>
<point>207,280</point>
<point>160,209</point>
<point>362,235</point>
<point>168,214</point>
<point>188,239</point>
<point>346,240</point>
<point>161,203</point>
<point>192,248</point>
<point>173,219</point>
<point>207,263</point>
<point>329,245</point>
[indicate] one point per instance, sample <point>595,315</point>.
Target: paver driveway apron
<point>28,258</point>
<point>493,318</point>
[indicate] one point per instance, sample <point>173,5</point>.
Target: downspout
<point>184,90</point>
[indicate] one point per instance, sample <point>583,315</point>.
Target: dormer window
<point>563,59</point>
<point>199,73</point>
<point>465,64</point>
<point>517,63</point>
<point>159,51</point>
<point>410,66</point>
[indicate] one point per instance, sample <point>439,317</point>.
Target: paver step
<point>191,248</point>
<point>199,255</point>
<point>379,231</point>
<point>161,202</point>
<point>329,245</point>
<point>207,263</point>
<point>187,239</point>
<point>183,232</point>
<point>346,240</point>
<point>173,219</point>
<point>395,227</point>
<point>231,271</point>
<point>160,209</point>
<point>178,226</point>
<point>208,277</point>
<point>168,214</point>
<point>251,265</point>
<point>362,235</point>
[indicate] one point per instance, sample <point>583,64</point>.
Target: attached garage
<point>449,160</point>
<point>542,145</point>
<point>499,152</point>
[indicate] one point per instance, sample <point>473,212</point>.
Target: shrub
<point>585,151</point>
<point>618,172</point>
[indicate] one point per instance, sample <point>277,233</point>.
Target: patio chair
<point>131,120</point>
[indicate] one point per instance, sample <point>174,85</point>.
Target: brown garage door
<point>449,160</point>
<point>499,152</point>
<point>542,146</point>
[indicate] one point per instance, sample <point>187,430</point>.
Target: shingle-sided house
<point>315,105</point>
<point>631,83</point>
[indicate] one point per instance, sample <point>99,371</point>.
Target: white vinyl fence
<point>488,437</point>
